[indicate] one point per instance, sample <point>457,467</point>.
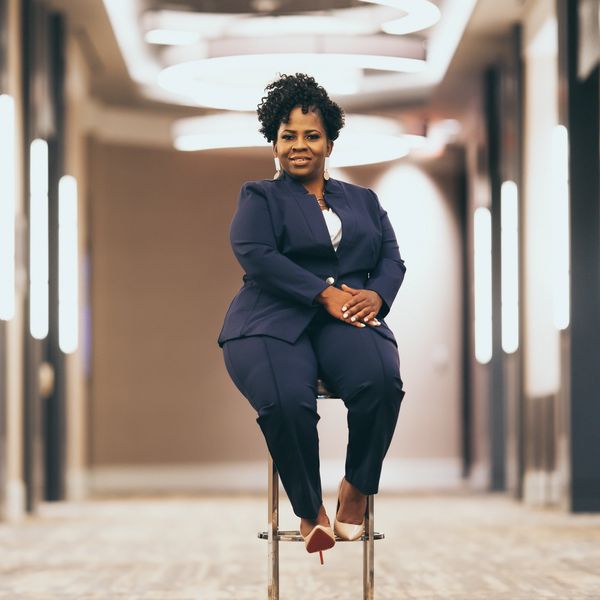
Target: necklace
<point>322,203</point>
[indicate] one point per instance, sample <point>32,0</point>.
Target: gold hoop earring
<point>277,168</point>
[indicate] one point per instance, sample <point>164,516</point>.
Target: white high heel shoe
<point>347,531</point>
<point>320,537</point>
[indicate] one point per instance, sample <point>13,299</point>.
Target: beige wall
<point>426,315</point>
<point>163,275</point>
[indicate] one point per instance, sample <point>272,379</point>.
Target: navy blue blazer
<point>280,238</point>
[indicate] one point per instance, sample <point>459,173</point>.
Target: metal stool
<point>274,535</point>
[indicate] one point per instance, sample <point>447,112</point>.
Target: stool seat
<point>274,535</point>
<point>322,390</point>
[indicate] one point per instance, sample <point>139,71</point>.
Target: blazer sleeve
<point>387,276</point>
<point>254,245</point>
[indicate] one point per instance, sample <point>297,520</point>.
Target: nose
<point>299,144</point>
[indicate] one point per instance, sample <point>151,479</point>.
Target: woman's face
<point>302,145</point>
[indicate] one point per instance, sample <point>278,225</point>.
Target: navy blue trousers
<point>279,380</point>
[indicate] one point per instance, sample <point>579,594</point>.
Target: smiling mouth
<point>300,160</point>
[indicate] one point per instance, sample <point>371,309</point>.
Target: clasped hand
<point>353,306</point>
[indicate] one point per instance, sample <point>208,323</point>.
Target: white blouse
<point>334,226</point>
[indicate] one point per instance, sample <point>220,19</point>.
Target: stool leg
<point>273,585</point>
<point>369,551</point>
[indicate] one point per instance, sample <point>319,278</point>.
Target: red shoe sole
<point>319,541</point>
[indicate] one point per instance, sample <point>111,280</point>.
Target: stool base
<point>274,535</point>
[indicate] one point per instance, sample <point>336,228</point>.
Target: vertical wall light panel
<point>509,222</point>
<point>38,239</point>
<point>483,284</point>
<point>560,227</point>
<point>67,264</point>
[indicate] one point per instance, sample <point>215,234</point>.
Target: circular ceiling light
<point>419,15</point>
<point>172,37</point>
<point>299,25</point>
<point>364,140</point>
<point>238,82</point>
<point>356,20</point>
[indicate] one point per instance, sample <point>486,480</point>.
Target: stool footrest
<point>293,535</point>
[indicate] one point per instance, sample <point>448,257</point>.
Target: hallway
<point>437,547</point>
<point>464,150</point>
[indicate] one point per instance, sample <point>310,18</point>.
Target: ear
<point>274,149</point>
<point>329,147</point>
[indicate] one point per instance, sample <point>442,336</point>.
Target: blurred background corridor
<point>130,465</point>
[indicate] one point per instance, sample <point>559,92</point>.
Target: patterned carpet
<point>437,547</point>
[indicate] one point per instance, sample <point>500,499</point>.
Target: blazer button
<point>330,280</point>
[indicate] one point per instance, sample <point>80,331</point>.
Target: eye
<point>287,136</point>
<point>314,136</point>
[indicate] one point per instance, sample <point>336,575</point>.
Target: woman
<point>322,269</point>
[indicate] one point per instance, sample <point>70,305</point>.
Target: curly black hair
<point>290,91</point>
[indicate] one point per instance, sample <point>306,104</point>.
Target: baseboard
<point>13,510</point>
<point>251,477</point>
<point>479,477</point>
<point>542,488</point>
<point>77,484</point>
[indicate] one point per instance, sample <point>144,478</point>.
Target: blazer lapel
<point>335,197</point>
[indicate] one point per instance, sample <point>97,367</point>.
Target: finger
<point>347,288</point>
<point>353,302</point>
<point>372,316</point>
<point>354,324</point>
<point>369,314</point>
<point>373,323</point>
<point>352,310</point>
<point>361,314</point>
<point>359,311</point>
<point>348,301</point>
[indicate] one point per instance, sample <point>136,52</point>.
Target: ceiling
<point>440,95</point>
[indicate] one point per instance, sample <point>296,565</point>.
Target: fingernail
<point>366,319</point>
<point>353,319</point>
<point>345,315</point>
<point>344,308</point>
<point>362,324</point>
